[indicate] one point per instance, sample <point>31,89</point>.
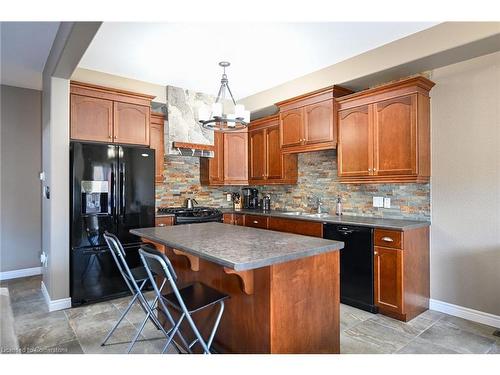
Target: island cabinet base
<point>292,307</point>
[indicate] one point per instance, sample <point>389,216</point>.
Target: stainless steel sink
<point>293,213</point>
<point>324,214</point>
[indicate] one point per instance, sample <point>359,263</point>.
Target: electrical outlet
<point>378,201</point>
<point>43,259</point>
<point>387,202</point>
<point>228,197</point>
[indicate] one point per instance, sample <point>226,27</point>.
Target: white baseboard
<point>57,304</point>
<point>25,272</point>
<point>465,312</point>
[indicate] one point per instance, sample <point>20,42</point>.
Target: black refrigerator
<point>111,188</point>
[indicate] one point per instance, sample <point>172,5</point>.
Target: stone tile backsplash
<point>317,178</point>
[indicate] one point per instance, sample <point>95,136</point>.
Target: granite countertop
<point>237,247</point>
<point>373,222</point>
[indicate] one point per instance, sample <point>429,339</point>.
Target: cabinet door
<point>291,127</point>
<point>156,143</point>
<point>91,119</point>
<point>395,136</point>
<point>274,157</point>
<point>388,279</point>
<point>355,146</point>
<point>236,157</point>
<point>318,124</point>
<point>131,123</point>
<point>216,164</point>
<point>257,144</point>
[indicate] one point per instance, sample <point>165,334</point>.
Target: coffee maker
<point>250,198</point>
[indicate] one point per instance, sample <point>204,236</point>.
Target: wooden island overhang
<point>284,288</point>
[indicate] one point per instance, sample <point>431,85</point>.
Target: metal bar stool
<point>135,279</point>
<point>186,301</point>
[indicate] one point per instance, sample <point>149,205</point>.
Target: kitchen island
<point>284,287</point>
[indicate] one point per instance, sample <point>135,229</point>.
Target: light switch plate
<point>378,201</point>
<point>387,202</point>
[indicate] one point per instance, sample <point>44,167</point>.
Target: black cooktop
<point>185,215</point>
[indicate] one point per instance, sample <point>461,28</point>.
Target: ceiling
<point>25,47</point>
<point>262,55</point>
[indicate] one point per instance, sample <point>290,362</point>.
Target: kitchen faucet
<point>319,204</point>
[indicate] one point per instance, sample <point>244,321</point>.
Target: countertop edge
<point>347,219</point>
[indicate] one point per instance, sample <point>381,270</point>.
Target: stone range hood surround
<point>182,121</point>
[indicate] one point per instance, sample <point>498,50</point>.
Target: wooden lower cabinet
<point>304,227</point>
<point>256,221</point>
<point>164,221</point>
<point>401,262</point>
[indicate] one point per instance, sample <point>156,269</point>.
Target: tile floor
<point>81,330</point>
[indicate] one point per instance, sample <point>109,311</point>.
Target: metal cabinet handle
<point>255,222</point>
<point>369,169</point>
<point>375,253</point>
<point>162,225</point>
<point>374,169</point>
<point>387,239</point>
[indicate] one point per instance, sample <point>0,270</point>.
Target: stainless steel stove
<point>185,215</point>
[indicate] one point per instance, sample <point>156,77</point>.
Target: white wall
<point>21,118</point>
<point>465,186</point>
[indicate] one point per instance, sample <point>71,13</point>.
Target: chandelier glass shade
<point>215,118</point>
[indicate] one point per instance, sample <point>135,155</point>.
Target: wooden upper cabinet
<point>91,119</point>
<point>267,163</point>
<point>257,144</point>
<point>395,136</point>
<point>274,157</point>
<point>384,133</point>
<point>308,122</point>
<point>131,123</point>
<point>318,123</point>
<point>212,169</point>
<point>236,157</point>
<point>292,128</point>
<point>156,142</point>
<point>104,114</point>
<point>355,149</point>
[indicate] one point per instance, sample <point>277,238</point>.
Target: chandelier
<point>216,119</point>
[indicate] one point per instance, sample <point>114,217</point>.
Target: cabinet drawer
<point>256,221</point>
<point>164,221</point>
<point>388,238</point>
<point>306,228</point>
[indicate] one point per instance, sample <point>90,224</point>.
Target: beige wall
<point>20,198</point>
<point>117,82</point>
<point>437,46</point>
<point>465,186</point>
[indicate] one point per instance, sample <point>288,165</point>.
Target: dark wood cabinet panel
<point>156,142</point>
<point>292,127</point>
<point>131,123</point>
<point>384,133</point>
<point>355,148</point>
<point>258,153</point>
<point>395,139</point>
<point>236,158</point>
<point>306,228</point>
<point>318,124</point>
<point>389,279</point>
<point>91,119</point>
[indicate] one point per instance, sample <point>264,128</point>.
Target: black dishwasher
<point>356,264</point>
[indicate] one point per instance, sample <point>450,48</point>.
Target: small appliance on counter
<point>338,207</point>
<point>250,198</point>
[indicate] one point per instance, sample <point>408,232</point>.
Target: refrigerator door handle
<point>122,189</point>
